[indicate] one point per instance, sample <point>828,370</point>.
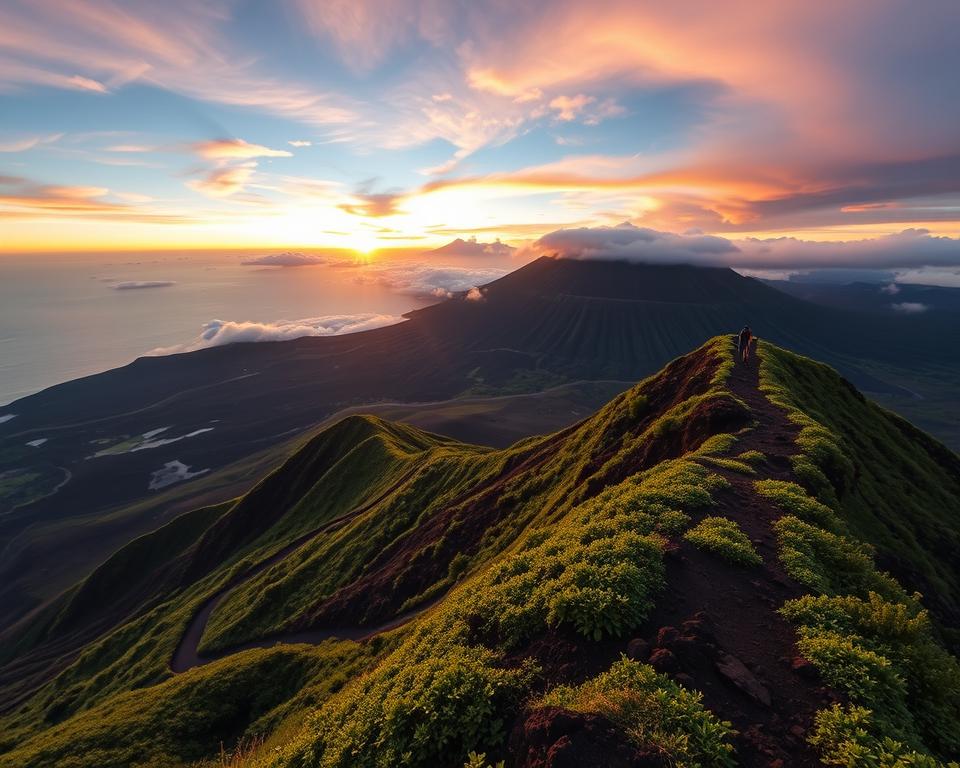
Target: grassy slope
<point>90,539</point>
<point>135,655</point>
<point>137,652</point>
<point>898,488</point>
<point>871,479</point>
<point>581,548</point>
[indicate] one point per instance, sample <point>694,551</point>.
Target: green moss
<point>723,537</point>
<point>653,711</point>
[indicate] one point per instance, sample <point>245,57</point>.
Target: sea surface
<point>72,315</point>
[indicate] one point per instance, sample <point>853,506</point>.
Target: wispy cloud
<point>234,149</point>
<point>225,181</point>
<point>24,199</point>
<point>29,142</point>
<point>287,259</point>
<point>136,285</point>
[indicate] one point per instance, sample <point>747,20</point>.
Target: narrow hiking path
<point>722,631</point>
<point>187,654</point>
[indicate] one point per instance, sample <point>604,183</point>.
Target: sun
<point>364,243</point>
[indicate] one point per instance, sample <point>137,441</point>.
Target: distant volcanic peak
<point>285,259</point>
<point>473,247</point>
<point>622,281</point>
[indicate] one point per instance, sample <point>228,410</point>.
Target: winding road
<point>187,654</point>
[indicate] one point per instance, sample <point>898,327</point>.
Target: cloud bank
<point>912,248</point>
<point>136,285</point>
<point>217,333</point>
<point>428,281</point>
<point>286,259</point>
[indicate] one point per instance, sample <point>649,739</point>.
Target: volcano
<point>549,322</point>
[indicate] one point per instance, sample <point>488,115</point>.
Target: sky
<point>751,132</point>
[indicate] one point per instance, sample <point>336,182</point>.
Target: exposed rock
<point>737,673</point>
<point>804,668</point>
<point>638,649</point>
<point>663,660</point>
<point>552,737</point>
<point>667,636</point>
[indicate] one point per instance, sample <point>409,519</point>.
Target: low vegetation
<point>596,571</point>
<point>867,636</point>
<point>723,537</point>
<point>654,712</point>
<point>560,537</point>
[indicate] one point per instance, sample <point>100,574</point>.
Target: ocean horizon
<point>65,316</point>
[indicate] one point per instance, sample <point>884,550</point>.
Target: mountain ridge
<point>710,505</point>
<point>550,322</point>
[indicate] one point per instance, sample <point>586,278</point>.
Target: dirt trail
<point>187,654</point>
<point>733,609</point>
<point>715,627</point>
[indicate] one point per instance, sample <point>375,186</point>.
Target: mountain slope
<point>549,322</point>
<point>714,523</point>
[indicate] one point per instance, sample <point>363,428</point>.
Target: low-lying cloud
<point>286,259</point>
<point>428,281</point>
<point>136,285</point>
<point>910,307</point>
<point>217,333</point>
<point>912,248</point>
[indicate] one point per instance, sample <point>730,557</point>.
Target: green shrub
<point>846,736</point>
<point>793,500</point>
<point>432,702</point>
<point>733,465</point>
<point>723,536</point>
<point>600,578</point>
<point>865,675</point>
<point>475,760</point>
<point>830,564</point>
<point>653,711</point>
<point>927,709</point>
<point>443,693</point>
<point>752,457</point>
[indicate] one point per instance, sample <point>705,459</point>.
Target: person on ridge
<point>743,343</point>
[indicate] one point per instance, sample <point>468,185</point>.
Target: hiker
<point>743,343</point>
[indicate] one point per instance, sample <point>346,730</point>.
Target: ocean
<point>72,315</point>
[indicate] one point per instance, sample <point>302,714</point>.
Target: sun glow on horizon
<point>258,133</point>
